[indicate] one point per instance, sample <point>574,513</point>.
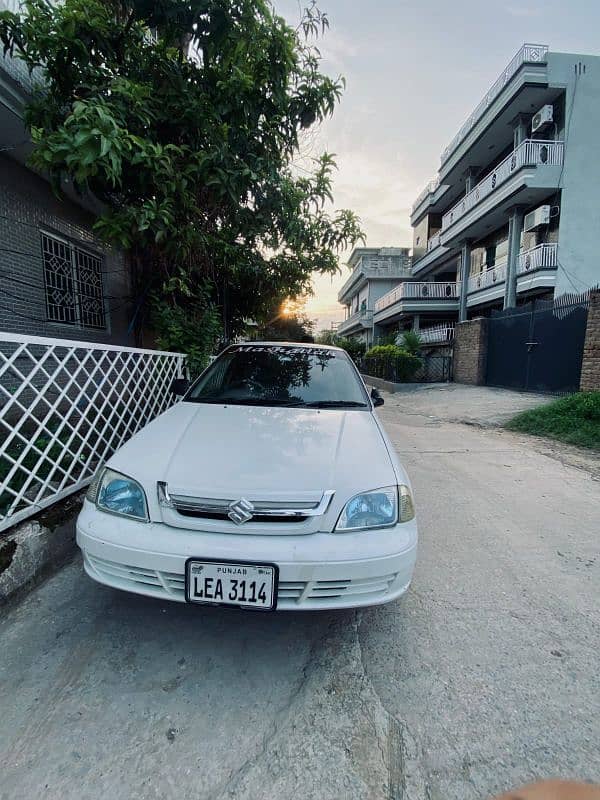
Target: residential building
<point>375,271</point>
<point>514,211</point>
<point>56,278</point>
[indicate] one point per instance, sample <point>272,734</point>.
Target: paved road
<point>484,676</point>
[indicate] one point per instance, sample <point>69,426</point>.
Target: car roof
<point>307,345</point>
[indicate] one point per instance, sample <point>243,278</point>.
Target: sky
<point>415,69</point>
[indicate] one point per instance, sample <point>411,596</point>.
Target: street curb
<point>379,383</point>
<point>34,550</point>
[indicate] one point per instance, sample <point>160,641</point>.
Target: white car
<point>271,485</point>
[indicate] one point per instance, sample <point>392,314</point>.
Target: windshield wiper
<point>246,401</point>
<point>334,404</point>
<point>274,402</point>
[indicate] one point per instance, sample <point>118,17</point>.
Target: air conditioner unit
<point>533,220</point>
<point>542,119</point>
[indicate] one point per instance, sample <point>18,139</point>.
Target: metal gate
<point>434,369</point>
<point>538,346</point>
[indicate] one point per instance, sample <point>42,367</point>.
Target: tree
<point>354,347</point>
<point>183,118</point>
<point>327,336</point>
<point>411,342</point>
<point>289,323</point>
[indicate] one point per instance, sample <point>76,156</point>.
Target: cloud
<point>373,183</point>
<point>337,50</point>
<point>524,11</point>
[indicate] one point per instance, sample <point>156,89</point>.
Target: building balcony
<point>437,334</point>
<point>494,276</point>
<point>544,256</point>
<point>536,269</point>
<point>433,242</point>
<point>432,185</point>
<point>414,296</point>
<point>359,321</point>
<point>528,54</point>
<point>435,251</point>
<point>430,195</point>
<point>364,272</point>
<point>526,175</point>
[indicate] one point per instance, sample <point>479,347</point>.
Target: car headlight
<point>380,508</point>
<point>118,494</point>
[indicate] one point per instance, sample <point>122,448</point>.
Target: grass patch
<point>574,419</point>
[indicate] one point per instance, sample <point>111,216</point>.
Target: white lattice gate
<point>65,407</point>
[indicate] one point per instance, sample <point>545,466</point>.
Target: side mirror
<point>179,386</point>
<point>376,398</point>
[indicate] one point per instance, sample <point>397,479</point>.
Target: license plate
<point>231,583</point>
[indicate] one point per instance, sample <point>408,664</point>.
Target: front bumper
<point>316,571</point>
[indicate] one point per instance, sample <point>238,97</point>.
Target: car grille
<point>257,517</point>
<point>310,592</point>
<point>301,593</point>
<point>261,511</point>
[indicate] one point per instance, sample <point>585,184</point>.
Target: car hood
<point>257,452</point>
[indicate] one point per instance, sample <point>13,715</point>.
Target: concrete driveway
<point>454,402</point>
<point>483,677</point>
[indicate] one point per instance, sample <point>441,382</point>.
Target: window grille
<point>74,291</point>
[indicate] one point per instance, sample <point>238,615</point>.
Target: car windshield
<point>272,375</point>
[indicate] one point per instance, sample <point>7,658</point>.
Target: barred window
<point>73,277</point>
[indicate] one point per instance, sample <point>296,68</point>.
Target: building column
<point>519,124</point>
<point>515,229</point>
<point>471,178</point>
<point>416,323</point>
<point>465,269</point>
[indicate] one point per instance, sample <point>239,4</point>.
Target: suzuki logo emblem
<point>240,511</point>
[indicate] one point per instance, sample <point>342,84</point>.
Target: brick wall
<point>590,367</point>
<point>470,349</point>
<point>27,206</point>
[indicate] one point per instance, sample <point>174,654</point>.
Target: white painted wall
<point>579,226</point>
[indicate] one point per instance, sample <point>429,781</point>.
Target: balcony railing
<point>529,153</point>
<point>489,277</point>
<point>528,54</point>
<point>365,317</point>
<point>414,290</point>
<point>429,189</point>
<point>433,242</point>
<point>544,256</point>
<point>437,333</point>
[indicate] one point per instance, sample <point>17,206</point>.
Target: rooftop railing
<point>528,54</point>
<point>429,189</point>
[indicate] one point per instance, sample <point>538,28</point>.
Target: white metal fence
<point>65,407</point>
<point>436,334</point>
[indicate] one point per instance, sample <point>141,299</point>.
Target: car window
<point>281,375</point>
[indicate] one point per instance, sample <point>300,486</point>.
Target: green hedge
<point>391,363</point>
